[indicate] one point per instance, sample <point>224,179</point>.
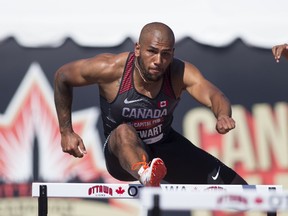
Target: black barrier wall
<point>249,76</point>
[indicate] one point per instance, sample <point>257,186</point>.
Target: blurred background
<point>229,41</point>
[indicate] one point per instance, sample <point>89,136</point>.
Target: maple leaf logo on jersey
<point>120,190</point>
<point>30,138</point>
<point>162,104</point>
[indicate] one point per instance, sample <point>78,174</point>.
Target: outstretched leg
<point>127,147</point>
<point>126,156</point>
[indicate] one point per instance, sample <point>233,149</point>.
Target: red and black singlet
<point>152,118</point>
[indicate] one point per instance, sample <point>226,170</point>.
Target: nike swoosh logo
<point>126,101</point>
<point>217,174</point>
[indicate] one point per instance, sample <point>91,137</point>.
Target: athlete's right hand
<point>72,144</point>
<point>280,50</point>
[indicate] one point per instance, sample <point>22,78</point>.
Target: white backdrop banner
<point>260,23</point>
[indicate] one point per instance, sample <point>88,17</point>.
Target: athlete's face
<point>154,56</point>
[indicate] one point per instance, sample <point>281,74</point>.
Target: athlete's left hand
<point>224,124</point>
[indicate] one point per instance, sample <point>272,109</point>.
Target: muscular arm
<point>79,73</point>
<point>102,70</point>
<point>209,95</point>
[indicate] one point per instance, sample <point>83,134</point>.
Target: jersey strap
<point>126,83</point>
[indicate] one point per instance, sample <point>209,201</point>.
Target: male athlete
<point>138,93</point>
<point>280,50</point>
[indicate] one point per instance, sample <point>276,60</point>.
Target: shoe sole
<point>159,168</point>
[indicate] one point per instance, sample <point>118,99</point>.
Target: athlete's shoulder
<point>179,64</point>
<point>111,58</point>
<point>120,57</point>
<point>109,62</point>
<point>181,71</point>
<point>177,67</point>
<point>119,61</point>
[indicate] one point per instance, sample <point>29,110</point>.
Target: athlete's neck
<point>141,73</point>
<point>150,88</point>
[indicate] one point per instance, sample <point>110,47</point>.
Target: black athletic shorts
<point>185,162</point>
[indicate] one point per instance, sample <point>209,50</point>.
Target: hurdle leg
<point>156,206</point>
<point>42,201</point>
<point>271,213</point>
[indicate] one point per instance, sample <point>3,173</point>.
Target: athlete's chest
<point>132,104</point>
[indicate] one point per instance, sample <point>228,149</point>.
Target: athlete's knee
<point>125,132</point>
<point>122,136</point>
<point>125,128</point>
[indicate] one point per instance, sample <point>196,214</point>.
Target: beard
<point>145,73</point>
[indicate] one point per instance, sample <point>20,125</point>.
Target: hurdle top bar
<point>131,191</point>
<point>252,200</point>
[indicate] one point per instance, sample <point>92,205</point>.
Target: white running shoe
<point>151,175</point>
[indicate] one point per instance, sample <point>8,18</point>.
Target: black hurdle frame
<point>42,201</point>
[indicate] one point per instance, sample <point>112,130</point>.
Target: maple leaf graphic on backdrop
<point>30,123</point>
